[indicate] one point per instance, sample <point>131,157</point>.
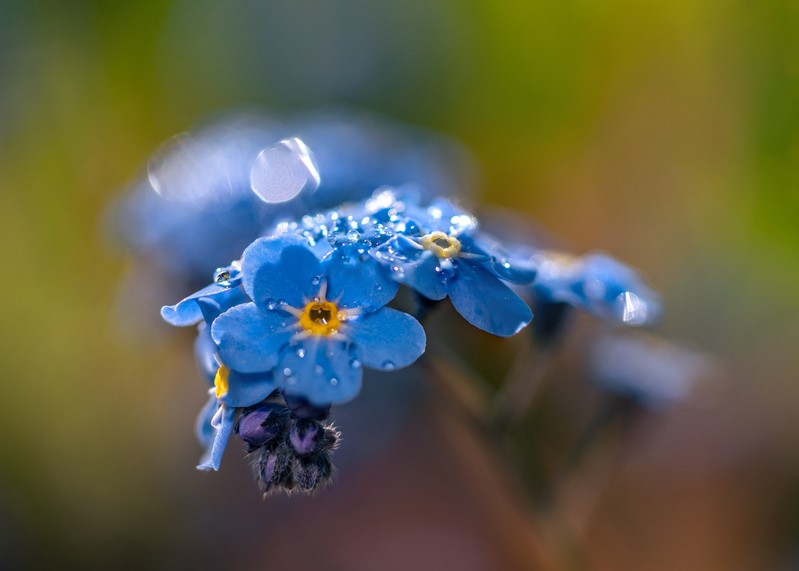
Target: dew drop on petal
<point>333,381</point>
<point>287,372</point>
<point>389,365</point>
<point>319,370</point>
<point>355,364</point>
<point>300,352</point>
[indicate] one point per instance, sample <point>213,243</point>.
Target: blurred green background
<point>665,132</point>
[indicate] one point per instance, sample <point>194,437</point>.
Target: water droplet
<point>333,381</point>
<point>287,372</point>
<point>300,352</point>
<point>319,370</point>
<point>389,365</point>
<point>271,304</point>
<point>355,364</point>
<point>316,281</point>
<point>353,235</point>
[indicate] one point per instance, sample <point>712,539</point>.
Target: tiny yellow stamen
<point>221,381</point>
<point>442,245</point>
<point>321,318</point>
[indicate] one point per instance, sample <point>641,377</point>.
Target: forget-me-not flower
<point>597,284</point>
<point>315,324</point>
<point>441,254</point>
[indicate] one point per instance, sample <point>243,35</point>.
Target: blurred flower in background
<point>664,134</point>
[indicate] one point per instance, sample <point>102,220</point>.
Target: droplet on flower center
<point>442,245</point>
<point>221,381</point>
<point>320,318</point>
<point>222,276</point>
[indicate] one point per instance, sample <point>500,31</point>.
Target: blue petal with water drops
<point>249,339</point>
<point>222,424</point>
<point>387,339</point>
<point>280,269</point>
<point>355,279</point>
<point>412,265</point>
<point>247,389</point>
<point>511,264</point>
<point>487,303</point>
<point>322,370</point>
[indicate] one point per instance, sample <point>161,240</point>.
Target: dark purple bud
<point>312,473</point>
<point>308,437</point>
<point>262,424</point>
<point>273,468</point>
<point>301,408</point>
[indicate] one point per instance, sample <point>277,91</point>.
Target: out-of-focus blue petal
<point>597,284</point>
<point>387,339</point>
<point>222,424</point>
<point>614,290</point>
<point>487,303</point>
<point>321,370</point>
<point>444,216</point>
<point>247,389</point>
<point>280,269</point>
<point>249,339</point>
<point>204,353</point>
<point>355,279</point>
<point>202,428</point>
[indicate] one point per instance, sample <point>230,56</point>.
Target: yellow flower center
<point>442,245</point>
<point>320,318</point>
<point>221,381</point>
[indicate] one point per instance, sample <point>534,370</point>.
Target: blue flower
<point>597,284</point>
<point>441,254</point>
<point>315,324</point>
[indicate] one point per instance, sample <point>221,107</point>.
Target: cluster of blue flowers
<point>306,308</point>
<point>286,329</point>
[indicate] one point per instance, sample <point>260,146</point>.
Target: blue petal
<point>427,277</point>
<point>485,302</point>
<point>413,266</point>
<point>247,390</point>
<point>280,269</point>
<point>249,339</point>
<point>223,426</point>
<point>355,279</point>
<point>444,216</point>
<point>387,339</point>
<point>511,264</point>
<point>321,370</point>
<point>204,353</point>
<point>186,312</point>
<point>202,428</point>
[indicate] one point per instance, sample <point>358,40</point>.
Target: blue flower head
<point>597,284</point>
<point>440,254</point>
<point>313,324</point>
